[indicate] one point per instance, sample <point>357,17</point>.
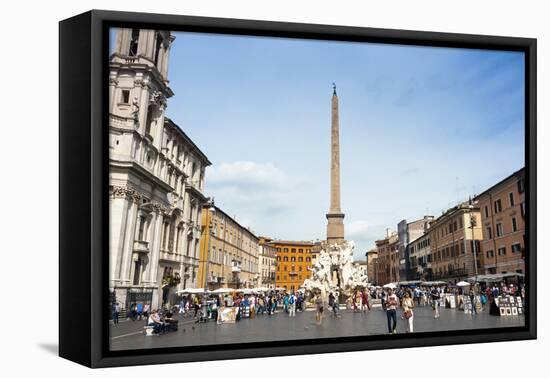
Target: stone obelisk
<point>335,217</point>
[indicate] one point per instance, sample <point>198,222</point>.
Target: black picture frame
<point>83,205</point>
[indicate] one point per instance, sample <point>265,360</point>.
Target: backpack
<point>291,299</point>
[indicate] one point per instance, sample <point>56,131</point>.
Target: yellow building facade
<point>228,252</point>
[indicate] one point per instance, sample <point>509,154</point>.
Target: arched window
<point>308,259</point>
<point>278,258</point>
<point>300,259</point>
<point>285,258</point>
<point>293,259</point>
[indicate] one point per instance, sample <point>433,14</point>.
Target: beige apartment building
<point>503,221</point>
<point>267,255</point>
<point>453,238</point>
<point>229,252</point>
<point>420,257</point>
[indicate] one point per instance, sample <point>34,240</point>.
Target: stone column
<point>118,216</point>
<point>129,242</point>
<point>143,107</point>
<point>155,248</point>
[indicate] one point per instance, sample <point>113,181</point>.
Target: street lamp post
<point>472,225</point>
<point>209,227</point>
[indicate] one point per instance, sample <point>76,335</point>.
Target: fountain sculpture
<point>335,271</point>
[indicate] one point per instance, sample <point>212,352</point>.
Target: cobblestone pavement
<point>129,334</point>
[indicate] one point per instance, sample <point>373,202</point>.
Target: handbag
<point>407,314</point>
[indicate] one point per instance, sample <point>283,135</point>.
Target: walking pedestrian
<point>273,304</point>
<point>196,306</point>
<point>354,301</point>
<point>285,302</point>
<point>292,304</point>
<point>365,305</point>
<point>116,312</point>
<point>407,304</point>
<point>391,311</point>
<point>333,304</point>
<point>319,308</point>
<point>472,296</point>
<point>435,302</point>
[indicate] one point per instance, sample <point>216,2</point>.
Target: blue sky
<point>420,128</point>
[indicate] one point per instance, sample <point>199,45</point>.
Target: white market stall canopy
<point>191,290</point>
<point>222,290</point>
<point>390,285</point>
<point>462,284</point>
<point>433,283</point>
<point>494,277</point>
<point>408,283</point>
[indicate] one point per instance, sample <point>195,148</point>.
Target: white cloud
<point>249,173</point>
<point>259,195</point>
<point>358,228</point>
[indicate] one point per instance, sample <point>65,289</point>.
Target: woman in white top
<point>407,304</point>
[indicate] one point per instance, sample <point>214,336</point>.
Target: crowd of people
<point>255,304</point>
<point>203,307</point>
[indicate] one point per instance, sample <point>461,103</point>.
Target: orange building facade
<point>503,221</point>
<point>294,260</point>
<point>387,262</point>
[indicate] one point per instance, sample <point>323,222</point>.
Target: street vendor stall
<point>507,305</point>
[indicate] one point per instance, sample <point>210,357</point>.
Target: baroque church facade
<point>156,177</point>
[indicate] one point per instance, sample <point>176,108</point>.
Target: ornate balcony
<point>236,269</point>
<point>141,246</point>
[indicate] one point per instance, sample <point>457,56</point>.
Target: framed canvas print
<point>233,188</point>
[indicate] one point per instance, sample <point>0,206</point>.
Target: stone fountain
<point>335,272</point>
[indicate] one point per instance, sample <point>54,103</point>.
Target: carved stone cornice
<point>126,192</point>
<point>158,98</point>
<point>159,208</point>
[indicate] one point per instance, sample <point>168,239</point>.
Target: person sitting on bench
<point>155,322</point>
<point>171,324</point>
